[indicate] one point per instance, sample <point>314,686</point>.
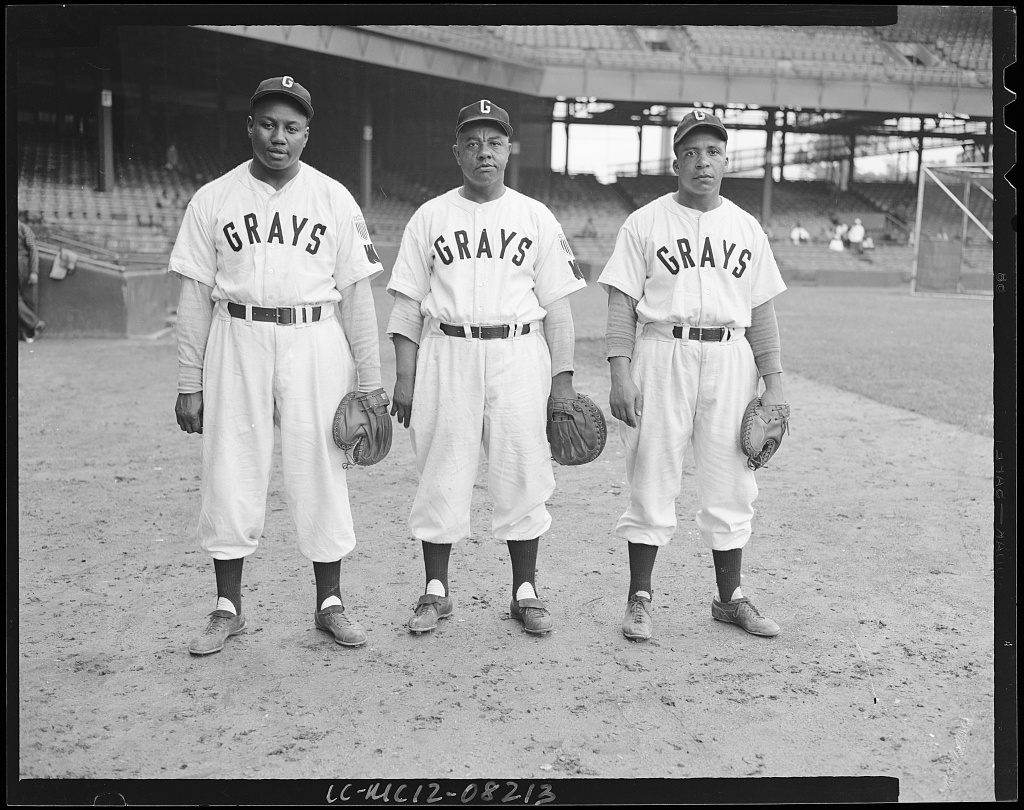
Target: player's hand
<point>401,401</point>
<point>625,399</point>
<point>189,411</point>
<point>33,279</point>
<point>561,386</point>
<point>627,403</point>
<point>773,393</point>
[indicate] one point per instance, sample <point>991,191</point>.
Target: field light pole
<point>568,113</point>
<point>366,155</point>
<point>769,169</point>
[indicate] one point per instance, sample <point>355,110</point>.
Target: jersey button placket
<point>478,225</point>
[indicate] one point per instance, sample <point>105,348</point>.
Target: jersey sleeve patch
<point>364,233</point>
<point>573,264</point>
<point>361,228</point>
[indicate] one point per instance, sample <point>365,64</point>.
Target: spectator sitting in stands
<point>868,243</point>
<point>172,158</point>
<point>589,229</point>
<point>855,236</point>
<point>843,233</point>
<point>799,235</point>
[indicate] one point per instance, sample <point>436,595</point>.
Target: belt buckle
<point>286,315</point>
<point>694,333</point>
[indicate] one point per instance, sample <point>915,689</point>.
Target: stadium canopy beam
<point>637,81</point>
<point>363,44</point>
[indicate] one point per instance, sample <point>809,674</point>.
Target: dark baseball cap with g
<point>483,110</point>
<point>699,118</point>
<point>284,86</point>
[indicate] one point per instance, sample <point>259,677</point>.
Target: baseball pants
<point>472,394</point>
<point>257,375</point>
<point>694,396</point>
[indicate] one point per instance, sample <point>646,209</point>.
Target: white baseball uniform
<point>691,269</point>
<point>260,247</point>
<point>478,264</point>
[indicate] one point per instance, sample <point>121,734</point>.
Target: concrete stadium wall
<point>98,301</point>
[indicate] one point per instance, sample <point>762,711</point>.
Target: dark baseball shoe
<point>743,613</point>
<point>222,624</point>
<point>430,608</point>
<point>533,614</point>
<point>345,631</point>
<point>636,625</point>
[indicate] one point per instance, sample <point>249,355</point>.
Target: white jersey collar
<point>266,188</point>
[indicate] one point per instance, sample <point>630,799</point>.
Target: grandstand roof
<point>937,58</point>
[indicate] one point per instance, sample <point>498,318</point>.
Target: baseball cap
<point>284,86</point>
<point>483,110</point>
<point>699,118</point>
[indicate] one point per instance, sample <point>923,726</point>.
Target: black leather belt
<point>717,333</point>
<point>284,315</point>
<point>483,332</point>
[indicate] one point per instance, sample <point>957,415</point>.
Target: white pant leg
<point>665,370</point>
<point>726,487</point>
<point>238,435</point>
<point>446,429</point>
<point>520,478</point>
<point>315,370</point>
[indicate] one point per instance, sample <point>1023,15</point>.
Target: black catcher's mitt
<point>362,427</point>
<point>576,430</point>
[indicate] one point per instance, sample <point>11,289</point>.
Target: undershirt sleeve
<point>359,320</point>
<point>560,333</point>
<point>763,337</point>
<point>194,317</point>
<point>620,333</point>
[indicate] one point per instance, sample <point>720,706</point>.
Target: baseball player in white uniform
<point>483,333</point>
<point>697,275</point>
<point>276,324</point>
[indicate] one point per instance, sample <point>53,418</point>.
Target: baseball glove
<point>762,430</point>
<point>576,430</point>
<point>362,427</point>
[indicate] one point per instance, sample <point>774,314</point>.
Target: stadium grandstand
<point>109,156</point>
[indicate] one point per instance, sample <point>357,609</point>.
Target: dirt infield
<point>872,549</point>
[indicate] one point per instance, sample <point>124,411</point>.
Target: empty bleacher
<point>578,37</point>
<point>896,199</point>
<point>808,43</point>
<point>960,34</point>
<point>136,220</point>
<point>590,213</point>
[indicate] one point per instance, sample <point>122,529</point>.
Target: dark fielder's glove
<point>362,427</point>
<point>762,430</point>
<point>576,430</point>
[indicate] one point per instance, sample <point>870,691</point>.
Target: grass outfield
<point>929,355</point>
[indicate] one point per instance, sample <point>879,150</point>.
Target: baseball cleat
<point>222,624</point>
<point>430,608</point>
<point>743,613</point>
<point>533,614</point>
<point>636,625</point>
<point>345,631</point>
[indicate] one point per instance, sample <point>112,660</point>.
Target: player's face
<point>278,129</point>
<point>700,163</point>
<point>482,154</point>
